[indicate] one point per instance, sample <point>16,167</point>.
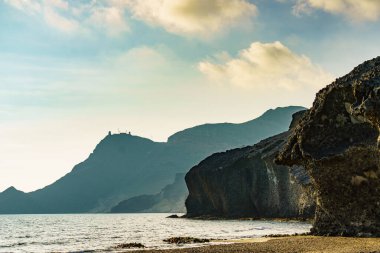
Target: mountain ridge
<point>123,166</point>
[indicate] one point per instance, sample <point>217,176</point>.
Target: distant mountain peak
<point>125,136</point>
<point>11,190</point>
<point>279,110</point>
<point>122,139</point>
<point>207,132</point>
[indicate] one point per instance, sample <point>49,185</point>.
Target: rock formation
<point>337,141</point>
<point>245,182</point>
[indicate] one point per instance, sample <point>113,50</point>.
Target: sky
<point>72,70</point>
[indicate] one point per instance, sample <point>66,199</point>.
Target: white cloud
<point>55,20</point>
<point>142,57</point>
<point>191,17</point>
<point>267,66</point>
<point>60,4</point>
<point>357,10</point>
<point>29,6</point>
<point>186,17</point>
<point>110,18</point>
<point>74,17</point>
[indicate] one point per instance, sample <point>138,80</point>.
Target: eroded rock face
<point>246,183</point>
<point>337,141</point>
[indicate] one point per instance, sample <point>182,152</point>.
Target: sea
<point>103,232</point>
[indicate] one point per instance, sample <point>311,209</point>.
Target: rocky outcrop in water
<point>337,141</point>
<point>185,240</point>
<point>246,183</point>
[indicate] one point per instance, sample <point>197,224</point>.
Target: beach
<point>296,244</point>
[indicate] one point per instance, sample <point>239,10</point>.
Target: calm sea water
<point>102,232</point>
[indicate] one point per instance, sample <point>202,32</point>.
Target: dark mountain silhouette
<point>17,202</point>
<point>171,199</point>
<point>123,166</point>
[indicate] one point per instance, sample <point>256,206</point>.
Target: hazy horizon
<point>73,70</point>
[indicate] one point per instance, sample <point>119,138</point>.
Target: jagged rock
<point>246,183</point>
<point>173,216</point>
<point>337,142</point>
<point>129,245</point>
<point>185,240</point>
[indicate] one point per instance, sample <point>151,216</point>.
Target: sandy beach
<point>299,244</point>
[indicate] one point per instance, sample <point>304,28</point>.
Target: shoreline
<point>211,218</point>
<point>299,244</point>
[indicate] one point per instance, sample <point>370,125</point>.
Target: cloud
<point>60,4</point>
<point>356,10</point>
<point>186,17</point>
<point>147,60</point>
<point>266,66</point>
<point>76,17</point>
<point>110,18</point>
<point>55,20</point>
<point>28,6</point>
<point>192,17</point>
<point>49,10</point>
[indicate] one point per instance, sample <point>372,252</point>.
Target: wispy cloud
<point>28,6</point>
<point>54,19</point>
<point>76,17</point>
<point>111,19</point>
<point>362,10</point>
<point>266,66</point>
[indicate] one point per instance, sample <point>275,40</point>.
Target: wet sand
<point>297,244</point>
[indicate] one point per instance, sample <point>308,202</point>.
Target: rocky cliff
<point>337,141</point>
<point>245,182</point>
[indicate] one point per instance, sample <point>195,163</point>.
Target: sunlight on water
<point>102,232</point>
